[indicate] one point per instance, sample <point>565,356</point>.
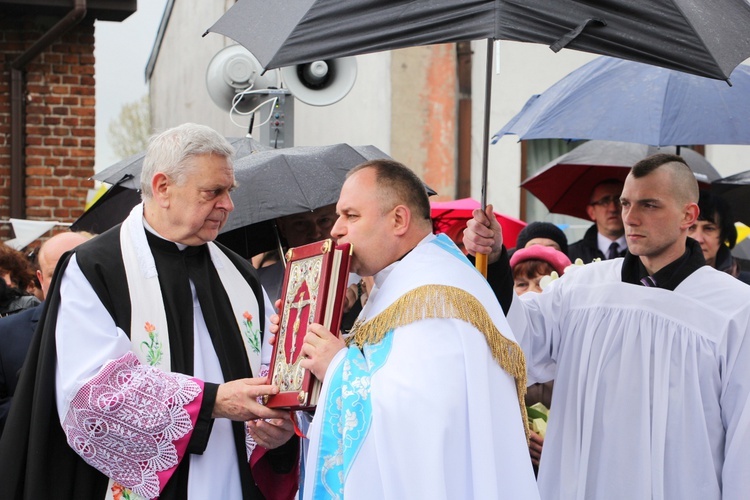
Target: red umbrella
<point>565,184</point>
<point>450,217</point>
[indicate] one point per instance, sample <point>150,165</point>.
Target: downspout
<point>463,179</point>
<point>18,105</point>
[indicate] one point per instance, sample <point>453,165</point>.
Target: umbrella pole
<point>279,247</point>
<point>481,259</point>
<point>250,126</point>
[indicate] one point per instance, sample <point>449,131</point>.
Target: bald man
<point>16,330</point>
<point>648,352</point>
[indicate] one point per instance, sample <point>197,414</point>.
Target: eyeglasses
<point>606,201</point>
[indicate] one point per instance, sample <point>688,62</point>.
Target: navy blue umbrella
<point>617,100</point>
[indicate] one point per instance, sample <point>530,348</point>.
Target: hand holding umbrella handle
<point>483,238</point>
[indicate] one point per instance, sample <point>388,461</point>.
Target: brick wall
<point>60,120</point>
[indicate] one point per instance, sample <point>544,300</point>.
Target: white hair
<point>170,152</point>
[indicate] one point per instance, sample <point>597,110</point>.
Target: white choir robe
<point>445,420</point>
<point>651,385</point>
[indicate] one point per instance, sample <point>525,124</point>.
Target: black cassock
<point>35,459</point>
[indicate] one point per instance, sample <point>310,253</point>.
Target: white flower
<point>546,280</point>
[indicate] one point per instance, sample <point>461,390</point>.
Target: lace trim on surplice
<point>125,420</point>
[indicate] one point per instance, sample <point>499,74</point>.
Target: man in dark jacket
<point>606,238</point>
<point>16,330</point>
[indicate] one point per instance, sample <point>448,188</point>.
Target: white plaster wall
<point>362,117</point>
<point>520,70</point>
<point>729,160</point>
<point>177,85</point>
<point>178,88</point>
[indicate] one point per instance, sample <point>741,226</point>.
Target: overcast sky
<point>122,51</point>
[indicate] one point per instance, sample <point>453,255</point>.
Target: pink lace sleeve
<point>133,422</point>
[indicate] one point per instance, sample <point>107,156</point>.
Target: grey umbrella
<point>109,210</point>
<point>286,181</point>
<point>127,172</point>
<point>684,35</point>
<point>292,180</point>
<point>271,183</point>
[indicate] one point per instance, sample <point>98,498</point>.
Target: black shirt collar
<point>166,246</point>
<point>671,275</point>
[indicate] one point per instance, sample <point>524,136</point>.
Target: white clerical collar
<point>603,243</point>
<point>151,230</point>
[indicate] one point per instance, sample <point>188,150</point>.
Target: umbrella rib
<point>663,111</point>
<point>296,181</point>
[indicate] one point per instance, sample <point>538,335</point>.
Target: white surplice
<point>87,338</point>
<point>444,421</point>
<point>651,385</point>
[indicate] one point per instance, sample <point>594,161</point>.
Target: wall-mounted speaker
<point>233,70</point>
<point>321,83</point>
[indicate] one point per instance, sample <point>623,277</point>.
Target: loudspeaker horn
<point>321,83</point>
<point>232,70</point>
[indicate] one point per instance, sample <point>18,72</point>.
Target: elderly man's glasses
<point>606,201</point>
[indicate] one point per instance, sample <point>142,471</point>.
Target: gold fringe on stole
<point>442,301</point>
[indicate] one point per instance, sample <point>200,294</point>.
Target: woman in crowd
<point>18,278</point>
<point>717,235</point>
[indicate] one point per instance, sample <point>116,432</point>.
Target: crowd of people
<point>142,372</point>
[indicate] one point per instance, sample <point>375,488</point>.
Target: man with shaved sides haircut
<point>647,352</point>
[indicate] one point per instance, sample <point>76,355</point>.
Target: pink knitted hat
<point>555,258</point>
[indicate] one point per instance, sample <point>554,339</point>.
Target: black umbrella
<point>736,190</point>
<point>109,210</point>
<point>127,172</point>
<point>679,34</point>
